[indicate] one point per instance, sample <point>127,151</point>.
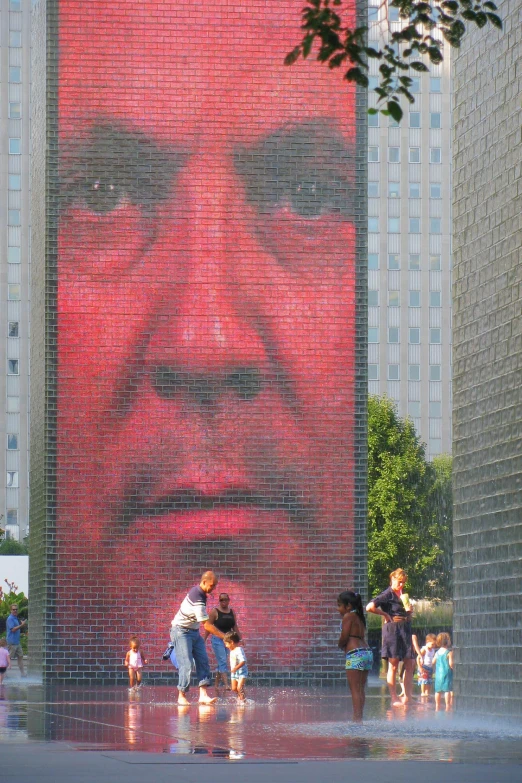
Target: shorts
<point>360,659</point>
<point>15,651</point>
<point>242,672</point>
<point>3,669</point>
<point>396,641</point>
<point>136,668</point>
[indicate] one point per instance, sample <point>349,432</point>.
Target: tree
<point>342,44</point>
<point>439,580</point>
<point>11,547</point>
<point>403,524</point>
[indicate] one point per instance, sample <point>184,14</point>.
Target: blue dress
<point>443,672</point>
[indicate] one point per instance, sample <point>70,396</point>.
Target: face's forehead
<point>192,69</point>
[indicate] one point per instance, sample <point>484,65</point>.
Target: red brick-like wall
<point>209,400</point>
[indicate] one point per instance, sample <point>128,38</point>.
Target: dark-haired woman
<point>359,657</point>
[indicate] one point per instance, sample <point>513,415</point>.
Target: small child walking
<point>5,660</point>
<point>238,664</point>
<point>425,664</point>
<point>443,664</point>
<point>134,661</point>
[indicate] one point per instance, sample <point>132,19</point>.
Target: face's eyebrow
<point>310,158</point>
<point>111,160</point>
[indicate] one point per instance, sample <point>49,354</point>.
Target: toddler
<point>443,664</point>
<point>5,660</point>
<point>134,662</point>
<point>238,664</point>
<point>425,664</point>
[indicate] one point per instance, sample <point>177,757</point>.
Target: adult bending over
<point>359,657</point>
<point>396,634</point>
<point>188,642</point>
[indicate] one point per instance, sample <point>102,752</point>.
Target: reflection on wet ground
<point>285,723</point>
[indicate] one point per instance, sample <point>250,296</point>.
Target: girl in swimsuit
<point>359,657</point>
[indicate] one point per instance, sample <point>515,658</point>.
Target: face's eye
<point>103,195</point>
<point>314,195</point>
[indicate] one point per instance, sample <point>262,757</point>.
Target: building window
<point>414,409</point>
<point>393,334</point>
<point>15,146</point>
<point>393,372</point>
<point>393,298</point>
<point>373,13</point>
<point>373,225</point>
<point>394,261</point>
<point>414,226</point>
<point>373,119</point>
<point>435,446</point>
<point>13,404</point>
<point>12,442</point>
<point>12,516</point>
<point>394,154</point>
<point>15,182</point>
<point>435,190</point>
<point>414,336</point>
<point>13,292</point>
<point>415,119</point>
<point>414,261</point>
<point>15,5</point>
<point>13,329</point>
<point>394,189</point>
<point>12,478</point>
<point>435,226</point>
<point>373,335</point>
<point>414,372</point>
<point>435,263</point>
<point>373,154</point>
<point>435,120</point>
<point>435,374</point>
<point>15,110</point>
<point>373,189</point>
<point>415,84</point>
<point>373,298</point>
<point>15,39</point>
<point>414,298</point>
<point>13,255</point>
<point>435,410</point>
<point>414,155</point>
<point>435,84</point>
<point>13,367</point>
<point>435,336</point>
<point>373,83</point>
<point>393,14</point>
<point>373,372</point>
<point>373,261</point>
<point>394,225</point>
<point>435,155</point>
<point>435,299</point>
<point>15,74</point>
<point>414,190</point>
<point>14,217</point>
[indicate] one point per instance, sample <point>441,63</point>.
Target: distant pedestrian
<point>5,660</point>
<point>224,618</point>
<point>443,663</point>
<point>188,642</point>
<point>14,626</point>
<point>359,657</point>
<point>397,643</point>
<point>134,661</point>
<point>238,664</point>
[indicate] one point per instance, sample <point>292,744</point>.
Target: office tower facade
<point>409,247</point>
<point>15,82</point>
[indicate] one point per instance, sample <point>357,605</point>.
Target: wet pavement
<point>275,725</point>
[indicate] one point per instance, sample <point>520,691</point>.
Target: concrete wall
<point>488,367</point>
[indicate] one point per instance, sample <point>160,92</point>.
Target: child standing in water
<point>238,664</point>
<point>134,662</point>
<point>5,660</point>
<point>359,657</point>
<point>425,664</point>
<point>443,663</point>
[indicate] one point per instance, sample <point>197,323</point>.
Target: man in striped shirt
<point>188,642</point>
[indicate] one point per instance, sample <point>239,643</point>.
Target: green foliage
<point>340,45</point>
<point>11,547</point>
<point>406,527</point>
<point>7,599</point>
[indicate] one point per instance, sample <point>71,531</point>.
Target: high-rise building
<point>409,247</point>
<point>15,83</point>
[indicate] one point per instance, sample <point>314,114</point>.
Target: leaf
<point>293,56</point>
<point>495,20</point>
<point>395,110</point>
<point>307,44</point>
<point>418,66</point>
<point>373,111</point>
<point>357,76</point>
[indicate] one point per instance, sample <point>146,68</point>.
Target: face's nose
<point>207,337</point>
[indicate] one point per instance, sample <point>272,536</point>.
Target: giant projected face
<point>206,328</point>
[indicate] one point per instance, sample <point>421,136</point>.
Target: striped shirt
<point>193,609</point>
